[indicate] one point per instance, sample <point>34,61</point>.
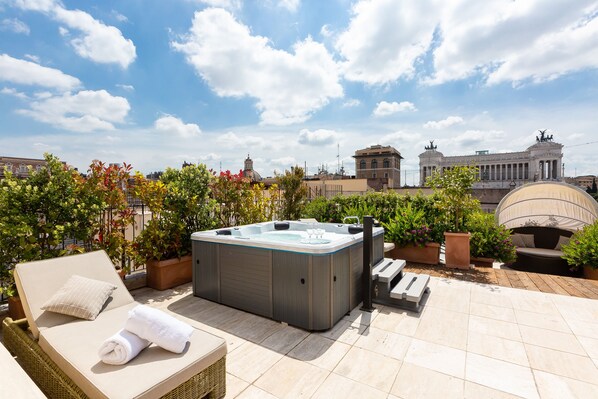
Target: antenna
<point>338,157</point>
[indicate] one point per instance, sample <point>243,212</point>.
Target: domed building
<point>249,172</point>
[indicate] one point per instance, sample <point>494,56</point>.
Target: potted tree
<point>412,235</point>
<point>582,251</point>
<point>455,202</point>
<point>180,206</point>
<point>489,241</point>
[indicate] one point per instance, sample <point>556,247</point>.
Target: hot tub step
<point>411,287</point>
<point>387,269</point>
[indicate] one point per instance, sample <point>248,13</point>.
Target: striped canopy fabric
<point>547,204</point>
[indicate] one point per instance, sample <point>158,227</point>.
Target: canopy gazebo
<point>551,212</point>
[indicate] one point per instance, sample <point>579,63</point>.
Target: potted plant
<point>582,251</point>
<point>180,206</point>
<point>412,235</point>
<point>455,202</point>
<point>489,241</point>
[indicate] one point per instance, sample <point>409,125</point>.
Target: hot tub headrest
<point>281,225</point>
<point>224,233</point>
<point>355,228</point>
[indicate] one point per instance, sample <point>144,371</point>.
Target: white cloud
<point>64,32</point>
<point>209,157</point>
<point>289,88</point>
<point>443,124</point>
<point>476,137</point>
<point>499,41</point>
<point>386,37</point>
<point>126,87</point>
<point>173,125</point>
<point>33,58</point>
<point>119,17</point>
<point>351,102</point>
<point>384,108</point>
<point>23,72</point>
<point>85,111</point>
<point>14,25</point>
<point>317,137</point>
<point>531,40</point>
<point>13,92</point>
<point>233,140</point>
<point>284,162</point>
<point>291,5</point>
<point>227,4</point>
<point>399,138</point>
<point>325,31</point>
<point>97,42</point>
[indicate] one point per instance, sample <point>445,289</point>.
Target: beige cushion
<point>38,281</point>
<point>523,240</point>
<point>80,297</point>
<point>547,253</point>
<point>562,241</point>
<point>153,373</point>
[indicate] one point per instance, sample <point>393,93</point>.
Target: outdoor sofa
<point>539,250</point>
<point>60,352</point>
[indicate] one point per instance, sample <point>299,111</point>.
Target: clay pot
<point>590,273</point>
<point>428,254</point>
<point>456,250</point>
<point>482,262</point>
<point>169,273</point>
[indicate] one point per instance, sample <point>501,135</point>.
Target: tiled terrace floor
<point>472,340</point>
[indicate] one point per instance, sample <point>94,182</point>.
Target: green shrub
<point>582,249</point>
<point>294,193</point>
<point>408,226</point>
<point>180,204</point>
<point>489,240</point>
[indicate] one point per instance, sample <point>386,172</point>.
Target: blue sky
<point>156,83</point>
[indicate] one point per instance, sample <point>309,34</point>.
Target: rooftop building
<point>380,165</point>
<point>540,161</point>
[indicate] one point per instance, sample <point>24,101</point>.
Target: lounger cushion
<point>523,240</point>
<point>38,281</point>
<point>562,241</point>
<point>542,252</point>
<point>153,373</point>
<point>80,297</point>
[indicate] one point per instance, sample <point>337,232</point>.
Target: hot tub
<point>276,270</point>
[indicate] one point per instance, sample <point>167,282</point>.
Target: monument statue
<point>431,146</point>
<point>543,136</point>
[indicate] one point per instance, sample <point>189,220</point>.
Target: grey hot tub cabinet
<point>311,291</point>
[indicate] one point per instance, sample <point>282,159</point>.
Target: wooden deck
<point>570,286</point>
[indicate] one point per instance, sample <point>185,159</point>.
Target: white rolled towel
<point>159,327</point>
<point>122,347</point>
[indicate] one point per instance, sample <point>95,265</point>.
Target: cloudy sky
<point>156,83</point>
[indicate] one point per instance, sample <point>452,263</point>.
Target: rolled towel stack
<point>158,327</point>
<point>145,325</point>
<point>122,347</point>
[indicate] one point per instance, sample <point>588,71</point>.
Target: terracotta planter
<point>429,254</point>
<point>169,273</point>
<point>15,308</point>
<point>456,250</point>
<point>482,262</point>
<point>590,273</point>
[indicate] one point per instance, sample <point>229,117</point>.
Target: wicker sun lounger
<point>60,352</point>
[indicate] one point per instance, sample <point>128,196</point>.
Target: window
<point>374,164</point>
<point>23,168</point>
<point>386,163</point>
<point>374,175</point>
<point>386,175</point>
<point>362,164</point>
